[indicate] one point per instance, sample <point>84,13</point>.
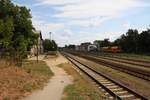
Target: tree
<point>129,41</point>
<point>55,47</point>
<point>144,41</point>
<point>104,43</point>
<point>71,46</point>
<point>49,45</point>
<point>16,35</point>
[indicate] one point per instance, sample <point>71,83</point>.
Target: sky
<point>77,21</point>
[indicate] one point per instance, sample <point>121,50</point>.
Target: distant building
<point>84,46</point>
<point>77,47</point>
<point>37,48</point>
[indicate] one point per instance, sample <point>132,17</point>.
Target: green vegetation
<point>81,89</point>
<point>37,68</point>
<point>133,42</point>
<point>17,82</point>
<point>49,45</point>
<point>16,31</point>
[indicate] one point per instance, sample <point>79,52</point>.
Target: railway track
<point>141,63</point>
<point>135,60</point>
<point>146,65</point>
<point>137,72</point>
<point>112,88</point>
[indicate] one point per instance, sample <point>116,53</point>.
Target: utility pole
<point>50,33</point>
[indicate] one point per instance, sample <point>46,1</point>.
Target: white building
<point>37,49</point>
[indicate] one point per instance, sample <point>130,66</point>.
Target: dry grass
<point>17,82</point>
<point>81,89</point>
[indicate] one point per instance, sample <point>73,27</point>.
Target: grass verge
<point>17,82</point>
<point>81,89</point>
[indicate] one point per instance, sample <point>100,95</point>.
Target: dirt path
<point>54,89</point>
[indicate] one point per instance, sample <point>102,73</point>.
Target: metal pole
<point>50,33</point>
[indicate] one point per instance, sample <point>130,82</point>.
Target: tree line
<point>16,30</point>
<point>131,42</point>
<point>135,42</point>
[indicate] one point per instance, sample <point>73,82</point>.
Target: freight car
<point>112,49</point>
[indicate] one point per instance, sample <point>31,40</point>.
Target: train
<point>88,47</point>
<point>112,49</point>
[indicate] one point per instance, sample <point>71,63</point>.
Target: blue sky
<point>76,21</point>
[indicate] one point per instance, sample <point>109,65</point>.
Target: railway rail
<point>137,72</point>
<point>113,89</point>
<point>131,59</point>
<point>146,65</point>
<point>142,63</point>
<point>123,58</point>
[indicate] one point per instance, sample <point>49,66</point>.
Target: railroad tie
<point>116,89</point>
<point>100,78</point>
<point>111,97</point>
<point>112,87</point>
<point>137,99</point>
<point>126,96</point>
<point>121,92</point>
<point>109,84</point>
<point>106,82</point>
<point>102,90</point>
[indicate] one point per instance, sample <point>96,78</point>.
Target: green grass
<point>40,71</point>
<point>81,89</point>
<point>39,68</point>
<point>77,91</point>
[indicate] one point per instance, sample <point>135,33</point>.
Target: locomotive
<point>92,47</point>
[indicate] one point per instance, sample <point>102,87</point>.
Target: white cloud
<point>91,22</point>
<point>66,33</point>
<point>59,31</point>
<point>127,25</point>
<point>91,12</point>
<point>86,36</point>
<point>85,13</point>
<point>90,8</point>
<point>47,27</point>
<point>57,2</point>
